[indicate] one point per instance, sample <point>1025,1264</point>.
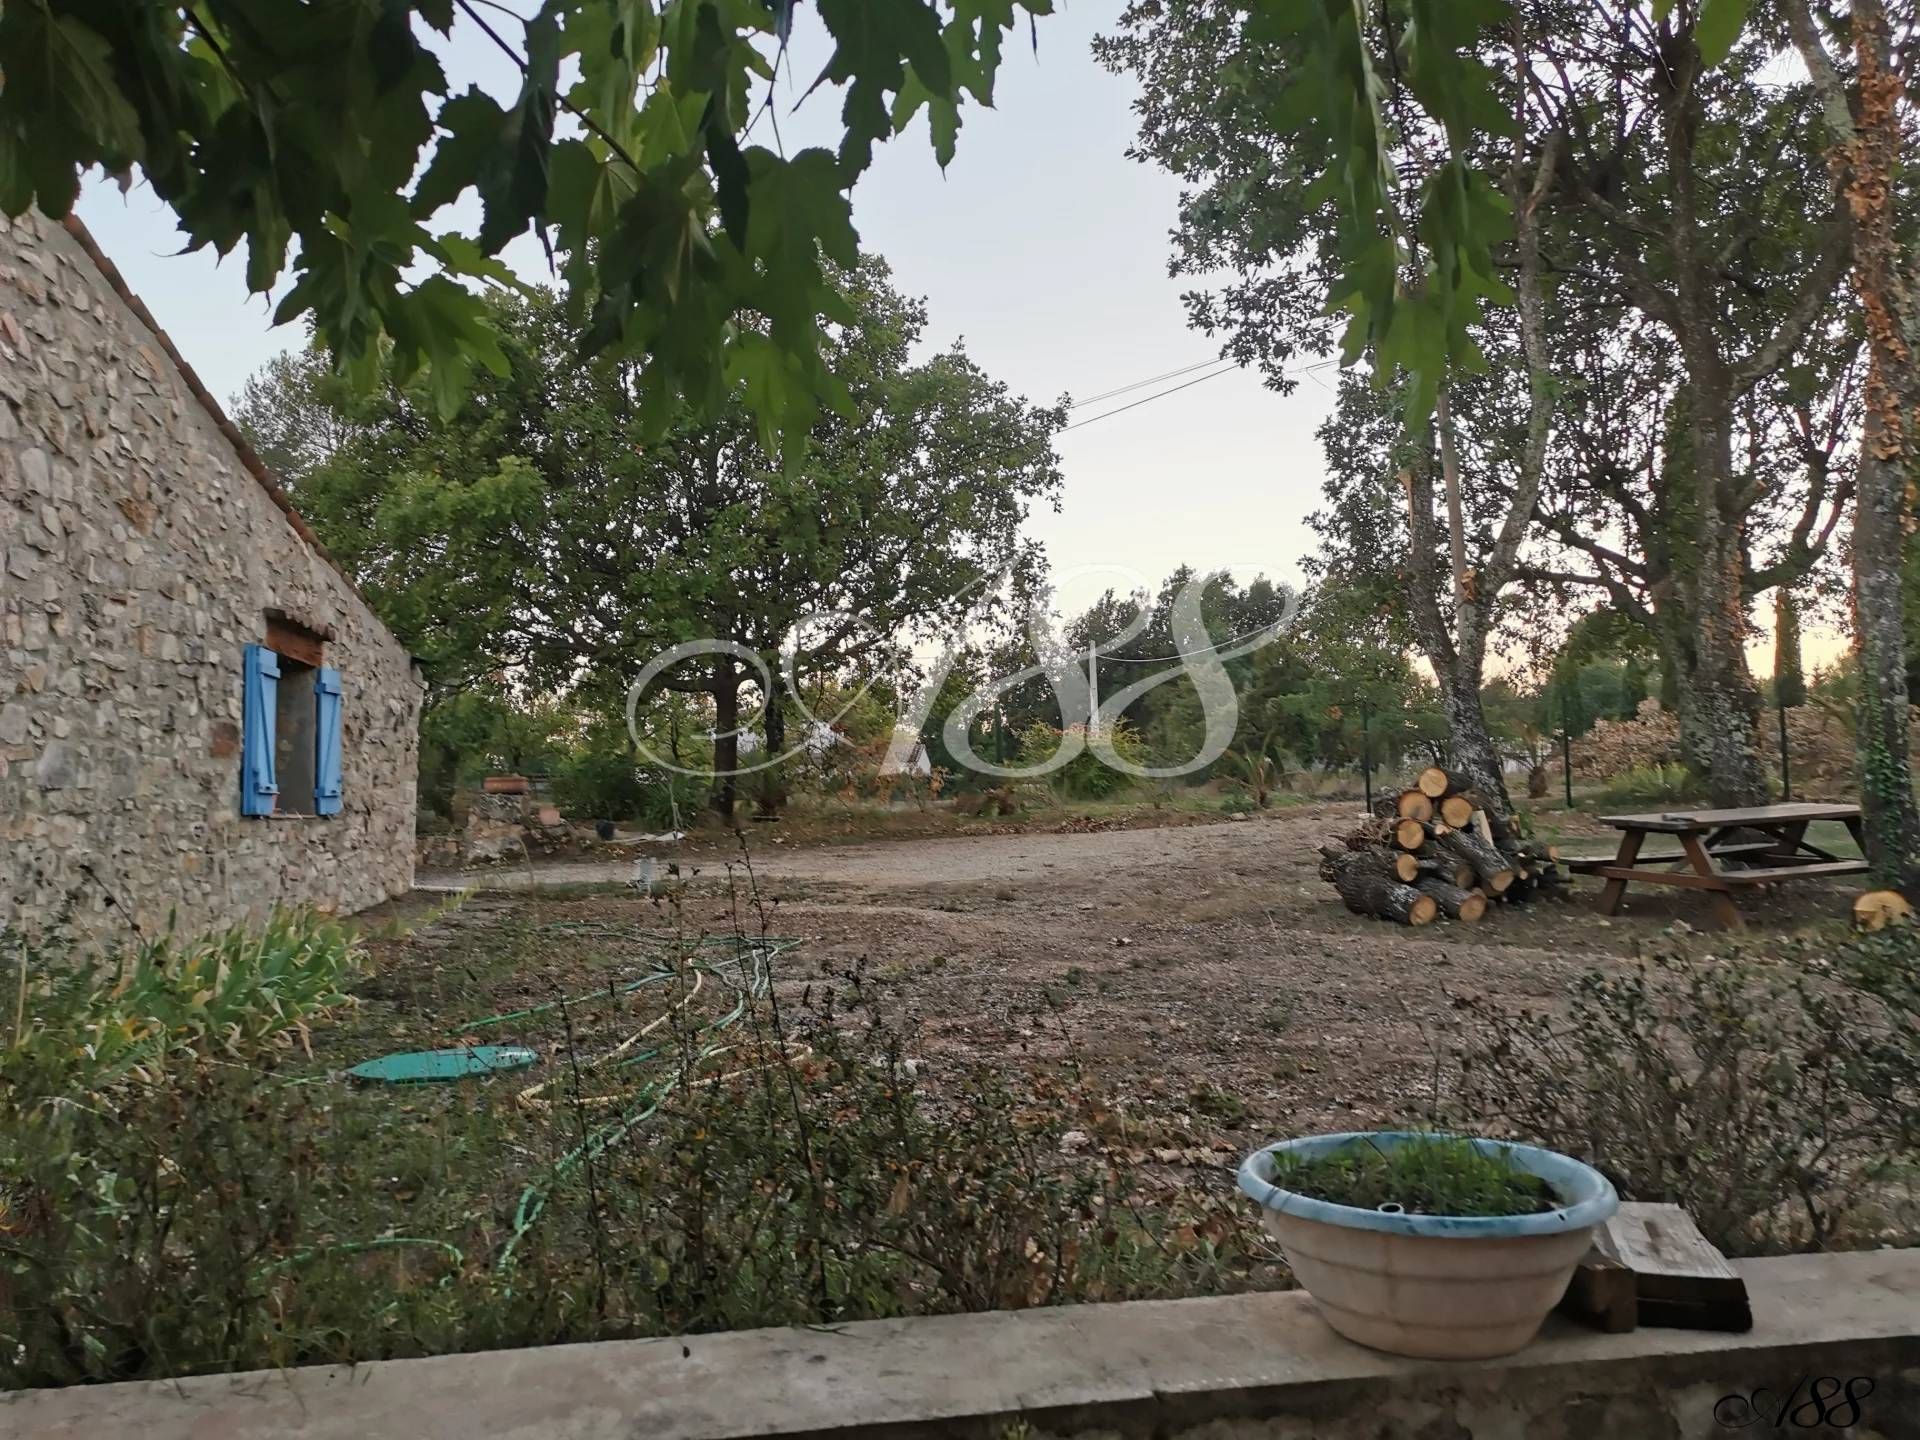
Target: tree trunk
<point>1882,504</point>
<point>726,743</point>
<point>1471,755</point>
<point>1789,673</point>
<point>1700,608</point>
<point>1864,163</point>
<point>773,791</point>
<point>1457,664</point>
<point>1720,693</point>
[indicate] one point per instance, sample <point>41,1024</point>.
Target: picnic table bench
<point>1721,852</point>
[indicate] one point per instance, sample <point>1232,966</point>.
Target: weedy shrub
<point>92,1019</point>
<point>1777,1099</point>
<point>212,1213</point>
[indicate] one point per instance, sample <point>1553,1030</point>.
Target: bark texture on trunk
<point>1883,513</point>
<point>1865,164</point>
<point>1720,703</point>
<point>726,744</point>
<point>773,790</point>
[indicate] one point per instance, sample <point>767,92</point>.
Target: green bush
<point>598,785</point>
<point>1087,776</point>
<point>1669,784</point>
<point>1777,1100</point>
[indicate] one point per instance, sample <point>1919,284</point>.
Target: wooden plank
<point>1602,1294</point>
<point>1724,910</point>
<point>1587,864</point>
<point>1615,890</point>
<point>1685,879</point>
<point>1766,875</point>
<point>1673,822</point>
<point>1680,1279</point>
<point>294,641</point>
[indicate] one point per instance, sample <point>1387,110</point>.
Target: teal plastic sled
<point>413,1067</point>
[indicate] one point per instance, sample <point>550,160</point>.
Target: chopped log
<point>1500,831</point>
<point>1455,903</point>
<point>1368,891</point>
<point>1492,869</point>
<point>1433,782</point>
<point>1410,867</point>
<point>1456,811</point>
<point>1877,909</point>
<point>1377,861</point>
<point>1330,858</point>
<point>1410,834</point>
<point>1412,805</point>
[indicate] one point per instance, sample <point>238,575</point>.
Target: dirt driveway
<point>1203,972</point>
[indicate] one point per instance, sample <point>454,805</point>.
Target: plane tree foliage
<point>640,150</point>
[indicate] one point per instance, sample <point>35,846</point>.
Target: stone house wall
<point>141,549</point>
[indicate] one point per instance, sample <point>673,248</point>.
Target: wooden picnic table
<point>1722,851</point>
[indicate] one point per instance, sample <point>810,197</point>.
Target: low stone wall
<point>139,555</point>
<point>1262,1367</point>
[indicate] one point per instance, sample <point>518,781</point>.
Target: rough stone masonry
<point>142,548</point>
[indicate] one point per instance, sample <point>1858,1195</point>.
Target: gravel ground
<point>1204,973</point>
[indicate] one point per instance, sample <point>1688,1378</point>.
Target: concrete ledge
<point>1260,1365</point>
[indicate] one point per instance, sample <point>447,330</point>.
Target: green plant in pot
<point>1438,1246</point>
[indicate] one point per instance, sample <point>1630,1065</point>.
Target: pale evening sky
<point>1042,245</point>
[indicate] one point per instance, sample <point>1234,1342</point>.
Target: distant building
<point>199,715</point>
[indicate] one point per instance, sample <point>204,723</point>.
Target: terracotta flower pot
<point>1439,1287</point>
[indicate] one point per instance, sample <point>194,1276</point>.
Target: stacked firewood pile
<point>1436,849</point>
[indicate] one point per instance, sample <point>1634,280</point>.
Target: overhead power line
<point>1139,384</point>
<point>1225,369</point>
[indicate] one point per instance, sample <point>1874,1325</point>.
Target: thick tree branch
<point>1816,291</point>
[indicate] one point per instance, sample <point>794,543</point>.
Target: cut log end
<point>1433,782</point>
<point>1877,909</point>
<point>1457,811</point>
<point>1407,867</point>
<point>1454,902</point>
<point>1410,834</point>
<point>1413,805</point>
<point>1423,911</point>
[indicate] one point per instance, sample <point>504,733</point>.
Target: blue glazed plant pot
<point>1439,1287</point>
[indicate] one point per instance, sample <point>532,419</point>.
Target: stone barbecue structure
<point>200,718</point>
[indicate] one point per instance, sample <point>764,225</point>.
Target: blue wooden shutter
<point>326,767</point>
<point>258,785</point>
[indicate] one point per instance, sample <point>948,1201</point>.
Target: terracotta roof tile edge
<point>249,458</point>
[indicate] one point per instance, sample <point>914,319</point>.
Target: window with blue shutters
<point>291,753</point>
